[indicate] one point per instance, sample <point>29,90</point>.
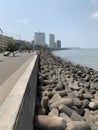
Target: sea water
<point>84,57</point>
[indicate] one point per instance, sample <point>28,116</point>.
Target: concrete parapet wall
<point>17,112</point>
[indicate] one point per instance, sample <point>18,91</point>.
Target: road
<point>11,68</point>
<point>8,65</point>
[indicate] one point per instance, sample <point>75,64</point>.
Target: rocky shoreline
<point>67,95</point>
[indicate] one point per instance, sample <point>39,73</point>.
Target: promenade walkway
<point>11,69</point>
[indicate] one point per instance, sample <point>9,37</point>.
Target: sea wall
<point>67,95</point>
<point>17,112</point>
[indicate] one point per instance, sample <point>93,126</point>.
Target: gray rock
<point>50,122</point>
<point>66,101</point>
<point>54,112</point>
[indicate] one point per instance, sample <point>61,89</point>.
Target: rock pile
<point>67,95</point>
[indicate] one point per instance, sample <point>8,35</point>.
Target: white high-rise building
<point>52,40</point>
<point>39,38</point>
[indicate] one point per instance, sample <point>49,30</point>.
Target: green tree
<point>11,47</point>
<point>40,47</point>
<point>26,47</point>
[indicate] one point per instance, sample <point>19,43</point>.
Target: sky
<point>74,22</point>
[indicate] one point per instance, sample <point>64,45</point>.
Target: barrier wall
<point>17,112</point>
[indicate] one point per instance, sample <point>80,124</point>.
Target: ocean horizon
<point>84,57</point>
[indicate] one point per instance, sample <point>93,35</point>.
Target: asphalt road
<point>8,65</point>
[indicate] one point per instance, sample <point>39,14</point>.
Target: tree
<point>11,47</point>
<point>40,47</point>
<point>25,47</point>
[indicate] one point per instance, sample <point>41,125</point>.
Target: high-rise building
<point>58,44</point>
<point>52,40</point>
<point>39,38</point>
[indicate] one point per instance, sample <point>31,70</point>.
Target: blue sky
<point>74,22</point>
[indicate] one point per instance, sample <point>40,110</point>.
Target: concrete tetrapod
<point>71,113</point>
<point>65,101</point>
<point>50,122</point>
<point>78,125</point>
<point>93,105</point>
<point>73,86</point>
<point>75,125</point>
<point>54,112</point>
<point>44,104</point>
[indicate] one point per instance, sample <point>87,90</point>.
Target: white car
<point>6,53</point>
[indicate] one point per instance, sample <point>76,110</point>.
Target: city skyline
<point>40,39</point>
<point>75,23</point>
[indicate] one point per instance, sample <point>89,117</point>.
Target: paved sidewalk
<point>8,65</point>
<point>11,69</point>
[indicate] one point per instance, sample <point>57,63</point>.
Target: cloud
<point>94,15</point>
<point>23,21</point>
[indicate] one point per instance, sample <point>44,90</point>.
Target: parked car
<point>6,53</point>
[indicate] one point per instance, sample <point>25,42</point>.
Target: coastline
<point>83,57</point>
<point>66,91</point>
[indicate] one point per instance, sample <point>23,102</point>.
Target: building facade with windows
<point>7,39</point>
<point>39,38</point>
<point>52,40</point>
<point>4,40</point>
<point>1,38</point>
<point>58,44</point>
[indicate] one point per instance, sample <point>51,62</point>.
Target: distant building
<point>39,38</point>
<point>58,44</point>
<point>7,39</point>
<point>21,43</point>
<point>1,41</point>
<point>4,40</point>
<point>52,40</point>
